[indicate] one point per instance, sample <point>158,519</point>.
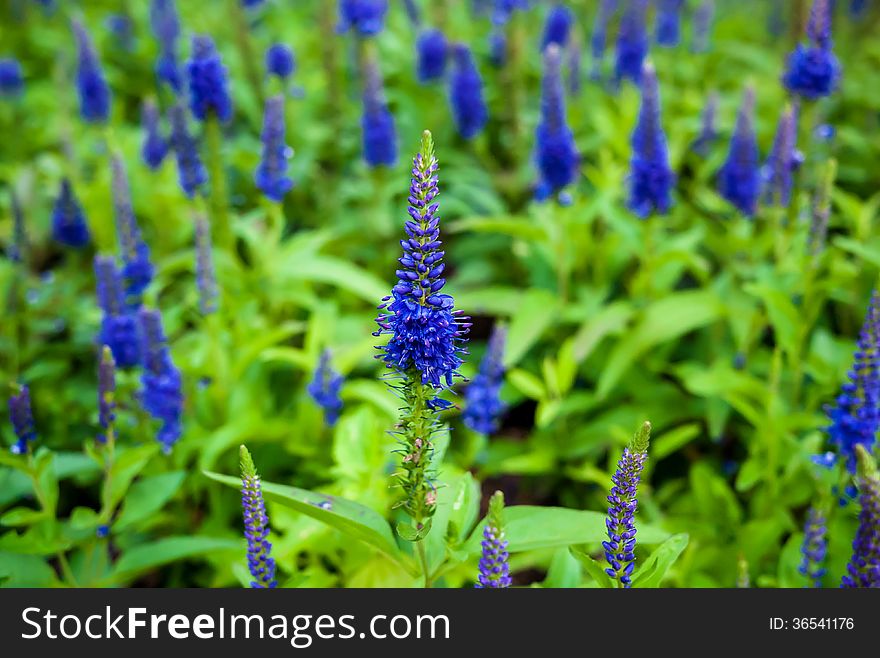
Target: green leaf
<point>146,497</point>
<point>527,383</point>
<point>20,516</point>
<point>514,227</point>
<point>25,571</point>
<point>530,528</point>
<point>347,516</point>
<point>408,533</point>
<point>596,570</point>
<point>564,571</point>
<point>654,569</point>
<point>337,272</point>
<point>465,507</point>
<point>534,316</point>
<point>664,320</point>
<point>171,549</point>
<point>125,469</point>
<point>672,440</point>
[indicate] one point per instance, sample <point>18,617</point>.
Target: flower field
<point>477,293</point>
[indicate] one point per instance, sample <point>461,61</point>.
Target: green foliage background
<point>726,333</point>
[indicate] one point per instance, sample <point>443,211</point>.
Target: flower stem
<point>217,201</point>
<point>423,560</point>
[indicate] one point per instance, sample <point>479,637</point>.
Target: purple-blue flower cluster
<point>650,178</point>
<point>483,405</point>
<point>426,335</point>
<point>94,94</point>
<point>495,559</point>
<point>154,147</point>
<point>208,84</point>
<point>11,78</point>
<point>623,500</point>
<point>324,389</point>
<point>166,28</point>
<point>556,155</point>
<point>191,171</point>
<point>557,27</point>
<point>162,393</point>
<point>466,94</point>
<point>432,50</point>
<point>119,325</point>
<point>377,122</point>
<point>863,569</point>
<point>783,161</point>
<point>632,42</point>
<point>855,415</point>
<point>280,61</point>
<point>739,180</point>
<point>256,526</point>
<point>22,420</point>
<point>813,71</point>
<point>708,131</point>
<point>668,27</point>
<point>106,394</point>
<point>137,269</point>
<point>703,15</point>
<point>271,175</point>
<point>68,219</point>
<point>599,35</point>
<point>366,17</point>
<point>814,547</point>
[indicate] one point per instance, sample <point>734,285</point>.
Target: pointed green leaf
<point>596,570</point>
<point>652,572</point>
<point>352,518</point>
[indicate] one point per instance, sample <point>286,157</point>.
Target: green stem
<point>423,560</point>
<point>217,201</point>
<point>246,51</point>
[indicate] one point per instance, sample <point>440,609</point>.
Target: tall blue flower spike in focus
<point>556,155</point>
<point>162,388</point>
<point>271,175</point>
<point>137,269</point>
<point>166,28</point>
<point>632,42</point>
<point>495,560</point>
<point>154,147</point>
<point>783,161</point>
<point>280,61</point>
<point>11,77</point>
<point>432,50</point>
<point>557,27</point>
<point>599,36</point>
<point>120,330</point>
<point>650,177</point>
<point>863,569</point>
<point>366,17</point>
<point>206,279</point>
<point>814,547</point>
<point>623,500</point>
<point>466,93</point>
<point>855,414</point>
<point>94,94</point>
<point>708,132</point>
<point>106,396</point>
<point>668,22</point>
<point>190,168</point>
<point>425,346</point>
<point>208,84</point>
<point>22,420</point>
<point>813,71</point>
<point>324,389</point>
<point>256,525</point>
<point>739,180</point>
<point>68,219</point>
<point>702,25</point>
<point>377,122</point>
<point>483,406</point>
